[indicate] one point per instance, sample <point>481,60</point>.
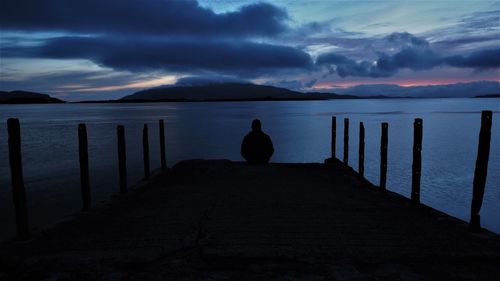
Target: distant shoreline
<point>56,101</point>
<point>235,100</point>
<point>238,100</point>
<point>245,92</point>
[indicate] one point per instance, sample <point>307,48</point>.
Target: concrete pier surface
<point>223,220</point>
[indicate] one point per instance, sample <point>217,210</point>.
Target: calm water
<point>300,132</point>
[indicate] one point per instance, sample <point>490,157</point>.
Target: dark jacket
<point>257,147</point>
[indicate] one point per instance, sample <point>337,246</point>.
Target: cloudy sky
<point>95,49</point>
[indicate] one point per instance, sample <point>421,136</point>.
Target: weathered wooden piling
<point>145,149</point>
<point>16,170</point>
<point>84,166</point>
<point>481,170</point>
<point>162,145</point>
<point>334,137</point>
<point>122,158</point>
<point>361,153</point>
<point>416,166</point>
<point>383,155</point>
<point>346,141</point>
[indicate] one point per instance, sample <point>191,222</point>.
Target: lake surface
<point>300,131</point>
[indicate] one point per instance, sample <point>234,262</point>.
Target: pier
<point>230,221</point>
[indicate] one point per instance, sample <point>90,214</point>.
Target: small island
<point>24,97</point>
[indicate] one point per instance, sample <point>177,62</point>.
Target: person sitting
<point>257,147</point>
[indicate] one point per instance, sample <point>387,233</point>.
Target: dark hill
<point>223,91</point>
<point>18,97</point>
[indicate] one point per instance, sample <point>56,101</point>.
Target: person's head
<point>256,126</point>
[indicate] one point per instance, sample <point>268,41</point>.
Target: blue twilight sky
<point>96,49</point>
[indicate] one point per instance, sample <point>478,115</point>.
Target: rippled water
<point>300,131</point>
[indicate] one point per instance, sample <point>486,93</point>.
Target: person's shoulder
<point>266,135</point>
<point>250,135</point>
<point>266,138</point>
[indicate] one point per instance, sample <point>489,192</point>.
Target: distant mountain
<point>459,90</point>
<point>233,91</point>
<point>225,92</point>
<point>16,97</point>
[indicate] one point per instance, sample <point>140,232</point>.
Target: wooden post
<point>84,166</point>
<point>383,155</point>
<point>16,170</point>
<point>162,145</point>
<point>334,137</point>
<point>145,148</point>
<point>361,158</point>
<point>346,141</point>
<point>122,158</point>
<point>481,170</point>
<point>416,166</point>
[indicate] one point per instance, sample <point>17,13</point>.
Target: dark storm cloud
<point>416,54</point>
<point>411,58</point>
<point>483,59</point>
<point>137,35</point>
<point>138,16</point>
<point>174,54</point>
<point>384,66</point>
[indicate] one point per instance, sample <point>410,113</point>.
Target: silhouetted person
<point>257,147</point>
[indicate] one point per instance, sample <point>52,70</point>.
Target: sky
<point>95,50</point>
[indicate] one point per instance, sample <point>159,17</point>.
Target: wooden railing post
<point>481,170</point>
<point>383,155</point>
<point>162,145</point>
<point>334,137</point>
<point>16,170</point>
<point>145,148</point>
<point>417,160</point>
<point>346,141</point>
<point>122,158</point>
<point>361,158</point>
<point>84,166</point>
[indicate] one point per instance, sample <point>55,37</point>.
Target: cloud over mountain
<point>415,54</point>
<point>457,90</point>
